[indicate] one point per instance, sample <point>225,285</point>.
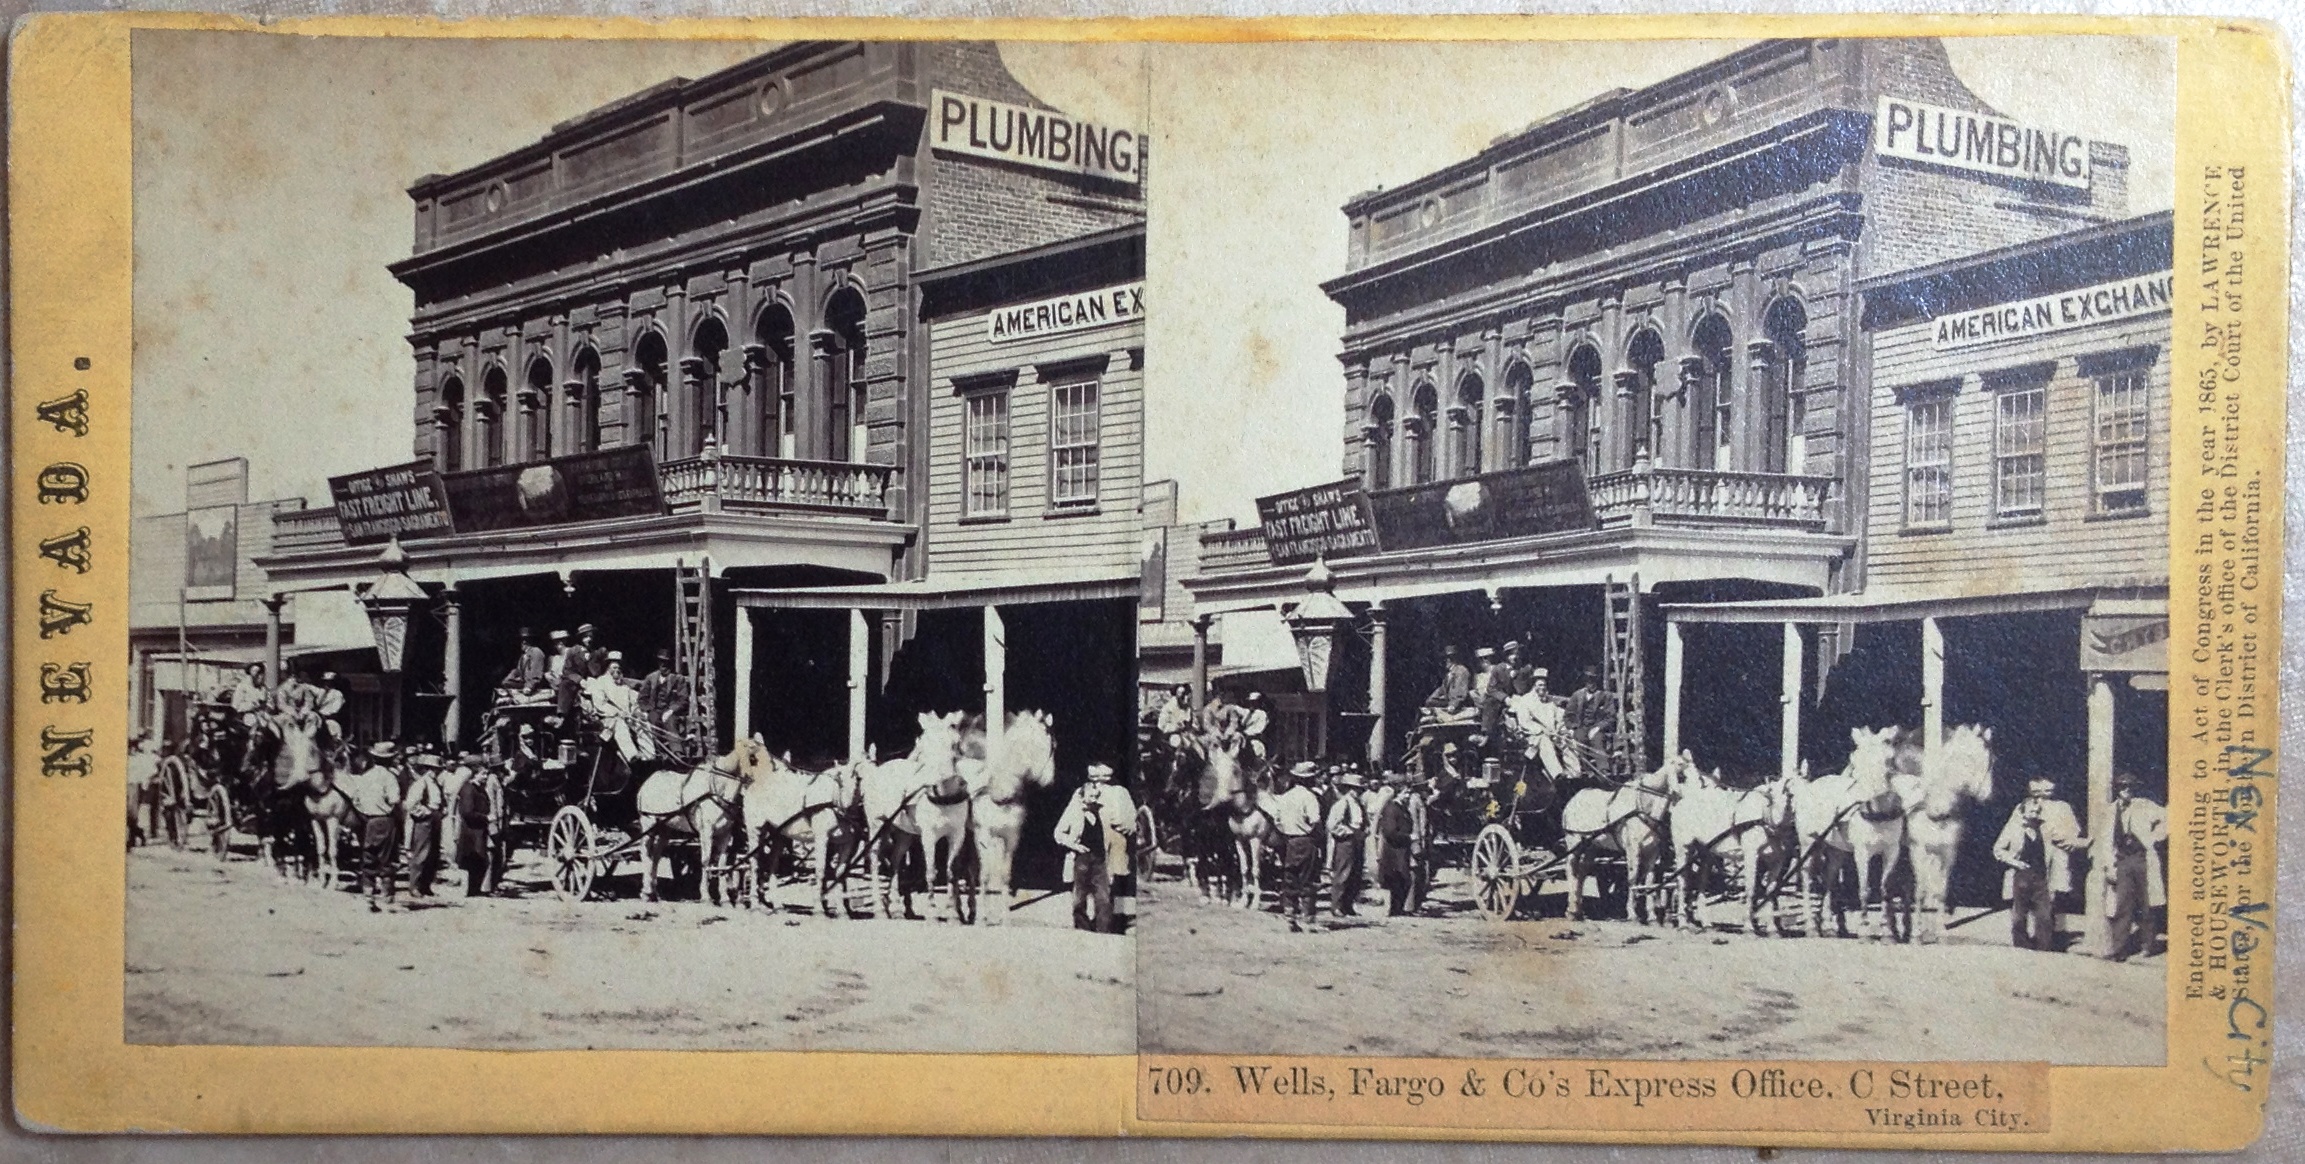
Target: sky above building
<point>1257,147</point>
<point>270,194</point>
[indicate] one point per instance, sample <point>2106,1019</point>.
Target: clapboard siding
<point>1032,540</point>
<point>2070,546</point>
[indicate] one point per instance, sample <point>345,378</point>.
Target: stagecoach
<point>1497,809</point>
<point>569,795</point>
<point>209,770</point>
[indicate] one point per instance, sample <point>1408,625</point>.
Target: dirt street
<point>1218,979</point>
<point>230,954</point>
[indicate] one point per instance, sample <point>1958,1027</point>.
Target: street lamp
<point>1317,623</point>
<point>391,601</point>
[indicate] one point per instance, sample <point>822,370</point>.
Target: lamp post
<point>1316,623</point>
<point>391,602</point>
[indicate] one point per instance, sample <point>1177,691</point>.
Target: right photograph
<point>1658,550</point>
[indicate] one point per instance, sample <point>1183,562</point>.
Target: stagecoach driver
<point>2036,845</point>
<point>373,789</point>
<point>1491,689</point>
<point>526,680</point>
<point>617,705</point>
<point>248,695</point>
<point>1296,816</point>
<point>1176,716</point>
<point>328,704</point>
<point>1095,830</point>
<point>569,671</point>
<point>1449,701</point>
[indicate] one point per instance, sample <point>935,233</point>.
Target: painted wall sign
<point>613,482</point>
<point>2125,642</point>
<point>2043,314</point>
<point>1979,143</point>
<point>1066,313</point>
<point>1516,503</point>
<point>1331,521</point>
<point>404,501</point>
<point>1041,138</point>
<point>211,553</point>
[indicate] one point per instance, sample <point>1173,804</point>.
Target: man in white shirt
<point>1296,817</point>
<point>2128,857</point>
<point>2036,845</point>
<point>1095,829</point>
<point>424,803</point>
<point>1348,820</point>
<point>373,788</point>
<point>617,704</point>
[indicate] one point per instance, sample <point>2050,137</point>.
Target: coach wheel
<point>1496,872</point>
<point>569,846</point>
<point>175,787</point>
<point>1147,842</point>
<point>220,821</point>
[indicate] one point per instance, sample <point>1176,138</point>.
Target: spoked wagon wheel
<point>569,845</point>
<point>1148,840</point>
<point>1496,872</point>
<point>220,820</point>
<point>176,786</point>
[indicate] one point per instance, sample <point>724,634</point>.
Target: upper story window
<point>1929,460</point>
<point>1073,443</point>
<point>984,469</point>
<point>2020,443</point>
<point>2120,455</point>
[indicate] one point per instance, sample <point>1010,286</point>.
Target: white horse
<point>701,803</point>
<point>1935,803</point>
<point>1021,758</point>
<point>1228,790</point>
<point>1855,817</point>
<point>326,808</point>
<point>1711,820</point>
<point>1629,820</point>
<point>916,796</point>
<point>787,805</point>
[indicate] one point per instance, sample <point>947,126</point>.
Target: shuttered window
<point>985,469</point>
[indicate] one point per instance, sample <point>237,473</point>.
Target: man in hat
<point>328,704</point>
<point>1095,830</point>
<point>1255,720</point>
<point>1176,716</point>
<point>2036,845</point>
<point>1524,675</point>
<point>1585,707</point>
<point>1454,696</point>
<point>1395,838</point>
<point>1491,690</point>
<point>662,694</point>
<point>292,697</point>
<point>2128,857</point>
<point>530,670</point>
<point>1220,722</point>
<point>475,835</point>
<point>1546,724</point>
<point>1296,816</point>
<point>373,789</point>
<point>1347,823</point>
<point>248,695</point>
<point>571,669</point>
<point>595,659</point>
<point>612,698</point>
<point>423,804</point>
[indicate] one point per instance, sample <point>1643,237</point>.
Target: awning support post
<point>272,605</point>
<point>2099,820</point>
<point>452,666</point>
<point>1200,662</point>
<point>1789,697</point>
<point>741,725</point>
<point>859,676</point>
<point>1377,693</point>
<point>1673,664</point>
<point>995,670</point>
<point>1932,695</point>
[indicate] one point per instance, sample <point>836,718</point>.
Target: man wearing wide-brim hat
<point>2036,845</point>
<point>1348,822</point>
<point>2128,857</point>
<point>1296,815</point>
<point>373,790</point>
<point>1095,831</point>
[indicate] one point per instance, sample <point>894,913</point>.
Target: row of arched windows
<point>753,402</point>
<point>1681,417</point>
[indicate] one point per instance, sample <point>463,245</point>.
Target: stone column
<point>639,410</point>
<point>1629,432</point>
<point>1379,732</point>
<point>815,403</point>
<point>1789,699</point>
<point>1683,421</point>
<point>452,666</point>
<point>1752,448</point>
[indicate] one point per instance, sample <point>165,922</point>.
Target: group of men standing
<point>2036,847</point>
<point>402,804</point>
<point>1330,813</point>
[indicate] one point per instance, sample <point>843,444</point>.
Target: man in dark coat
<point>473,840</point>
<point>1455,694</point>
<point>528,672</point>
<point>1395,835</point>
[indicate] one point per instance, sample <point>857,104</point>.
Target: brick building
<point>678,347</point>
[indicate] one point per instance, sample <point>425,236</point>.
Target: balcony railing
<point>1636,497</point>
<point>739,484</point>
<point>1647,495</point>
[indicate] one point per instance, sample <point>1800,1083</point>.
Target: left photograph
<point>637,543</point>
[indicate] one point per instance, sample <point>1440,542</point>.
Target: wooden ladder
<point>692,647</point>
<point>1621,678</point>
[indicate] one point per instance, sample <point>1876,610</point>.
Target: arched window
<point>583,401</point>
<point>767,428</point>
<point>1580,418</point>
<point>448,426</point>
<point>1783,448</point>
<point>645,379</point>
<point>1424,419</point>
<point>493,399</point>
<point>1708,400</point>
<point>536,410</point>
<point>843,352</point>
<point>1377,444</point>
<point>1519,388</point>
<point>1643,425</point>
<point>1465,426</point>
<point>701,371</point>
